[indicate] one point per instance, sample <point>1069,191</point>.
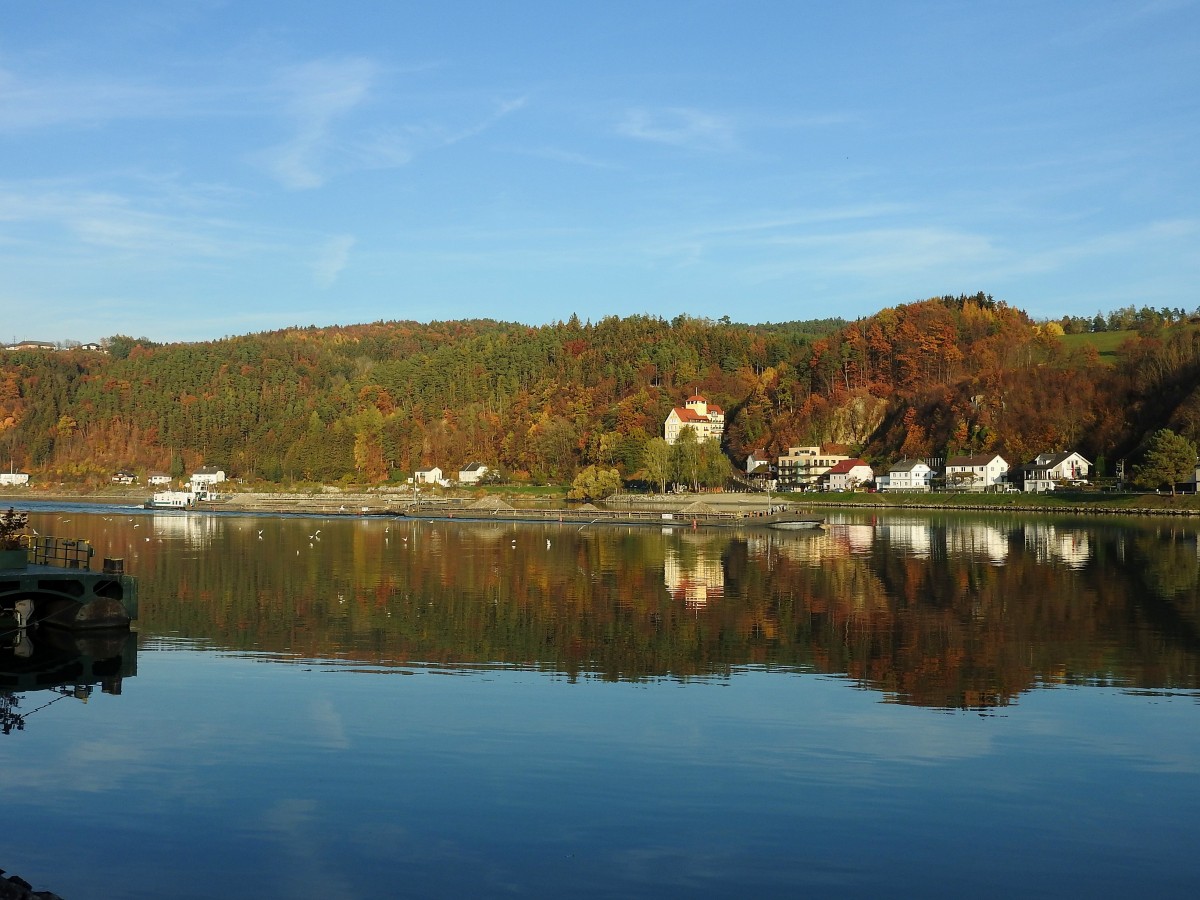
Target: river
<point>911,705</point>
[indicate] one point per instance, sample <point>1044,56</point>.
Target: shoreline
<point>398,502</point>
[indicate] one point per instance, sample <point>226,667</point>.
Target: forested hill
<point>369,403</point>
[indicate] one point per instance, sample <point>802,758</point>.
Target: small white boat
<point>796,523</point>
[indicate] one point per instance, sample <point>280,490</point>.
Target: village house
<point>206,476</point>
<point>124,477</point>
<point>203,480</point>
<point>758,463</point>
<point>1048,470</point>
<point>428,476</point>
<point>14,478</point>
<point>803,467</point>
<point>472,474</point>
<point>848,475</point>
<point>706,419</point>
<point>909,475</point>
<point>158,479</point>
<point>32,345</point>
<point>976,473</point>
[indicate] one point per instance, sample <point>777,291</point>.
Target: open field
<point>1107,343</point>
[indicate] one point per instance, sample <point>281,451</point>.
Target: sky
<point>189,170</point>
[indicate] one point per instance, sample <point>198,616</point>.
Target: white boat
<point>796,523</point>
<point>171,500</point>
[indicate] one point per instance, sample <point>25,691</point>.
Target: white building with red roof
<point>848,474</point>
<point>706,419</point>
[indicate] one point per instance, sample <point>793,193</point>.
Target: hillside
<point>370,403</point>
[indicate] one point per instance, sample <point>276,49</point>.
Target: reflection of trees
<point>953,614</point>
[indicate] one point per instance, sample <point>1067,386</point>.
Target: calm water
<point>900,706</point>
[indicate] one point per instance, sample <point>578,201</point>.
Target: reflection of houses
<point>194,532</point>
<point>706,419</point>
<point>978,541</point>
<point>694,579</point>
<point>976,473</point>
<point>909,536</point>
<point>1049,469</point>
<point>910,475</point>
<point>1050,543</point>
<point>803,467</point>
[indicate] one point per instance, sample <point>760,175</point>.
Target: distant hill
<point>370,403</point>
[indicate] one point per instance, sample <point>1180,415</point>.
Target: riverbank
<point>395,501</point>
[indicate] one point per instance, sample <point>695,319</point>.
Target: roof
<point>473,467</point>
<point>981,459</point>
<point>847,465</point>
<point>688,415</point>
<point>696,398</point>
<point>907,465</point>
<point>208,470</point>
<point>1056,459</point>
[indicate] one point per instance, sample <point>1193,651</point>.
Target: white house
<point>13,478</point>
<point>428,476</point>
<point>755,462</point>
<point>206,476</point>
<point>158,479</point>
<point>706,419</point>
<point>910,475</point>
<point>847,475</point>
<point>123,477</point>
<point>472,474</point>
<point>976,473</point>
<point>1045,472</point>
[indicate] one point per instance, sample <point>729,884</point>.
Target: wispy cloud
<point>317,95</point>
<point>331,259</point>
<point>32,103</point>
<point>115,222</point>
<point>320,96</point>
<point>680,127</point>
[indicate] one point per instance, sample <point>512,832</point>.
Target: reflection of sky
<point>215,775</point>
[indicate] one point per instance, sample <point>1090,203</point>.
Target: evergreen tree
<point>1170,458</point>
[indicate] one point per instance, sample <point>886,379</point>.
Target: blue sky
<point>194,169</point>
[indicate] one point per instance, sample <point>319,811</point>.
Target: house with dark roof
<point>984,471</point>
<point>1049,470</point>
<point>907,475</point>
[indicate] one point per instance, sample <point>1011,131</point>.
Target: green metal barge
<point>51,582</point>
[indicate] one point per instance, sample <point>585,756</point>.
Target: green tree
<point>685,458</point>
<point>656,460</point>
<point>595,483</point>
<point>714,465</point>
<point>1170,458</point>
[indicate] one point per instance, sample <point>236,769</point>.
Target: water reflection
<point>66,664</point>
<point>937,611</point>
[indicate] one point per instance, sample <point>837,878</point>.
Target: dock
<point>57,586</point>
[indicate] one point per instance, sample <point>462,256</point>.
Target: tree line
<point>370,403</point>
